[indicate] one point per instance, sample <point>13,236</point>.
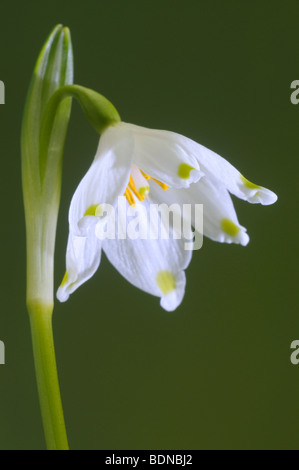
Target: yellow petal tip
<point>184,171</point>
<point>229,227</point>
<point>249,184</point>
<point>166,282</point>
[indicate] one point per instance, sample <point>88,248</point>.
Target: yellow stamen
<point>142,192</point>
<point>163,185</point>
<point>132,187</point>
<point>147,177</point>
<point>129,196</point>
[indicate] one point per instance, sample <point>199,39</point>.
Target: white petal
<point>160,155</point>
<point>220,222</point>
<point>171,301</point>
<point>222,172</point>
<point>83,257</point>
<point>153,265</point>
<point>106,179</point>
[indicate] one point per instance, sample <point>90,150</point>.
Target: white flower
<point>152,166</point>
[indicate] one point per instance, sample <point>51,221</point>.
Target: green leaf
<point>53,69</point>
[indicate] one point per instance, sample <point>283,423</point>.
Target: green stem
<point>46,374</point>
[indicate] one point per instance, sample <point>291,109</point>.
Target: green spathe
<point>53,69</point>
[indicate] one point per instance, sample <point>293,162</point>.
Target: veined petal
<point>220,222</point>
<point>222,172</point>
<point>153,265</point>
<point>106,179</point>
<point>256,194</point>
<point>160,154</point>
<point>83,256</point>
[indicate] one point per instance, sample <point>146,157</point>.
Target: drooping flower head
<point>149,167</point>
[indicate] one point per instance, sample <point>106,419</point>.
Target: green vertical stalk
<point>40,267</point>
<point>46,375</point>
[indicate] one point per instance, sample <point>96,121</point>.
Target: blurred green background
<point>216,373</point>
